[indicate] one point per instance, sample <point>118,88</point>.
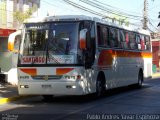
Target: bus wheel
<point>47,97</point>
<point>100,87</point>
<point>140,79</point>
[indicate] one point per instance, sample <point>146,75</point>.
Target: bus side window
<point>142,42</point>
<point>99,33</point>
<point>138,42</point>
<point>119,40</point>
<point>105,36</point>
<point>122,39</point>
<point>102,33</point>
<point>147,43</point>
<point>100,36</point>
<point>113,37</point>
<point>127,40</point>
<point>132,41</point>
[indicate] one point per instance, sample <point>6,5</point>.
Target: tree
<point>21,16</point>
<point>120,19</point>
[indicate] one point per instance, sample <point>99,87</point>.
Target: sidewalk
<point>8,93</point>
<point>156,75</point>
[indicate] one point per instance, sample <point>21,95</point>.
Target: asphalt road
<point>128,103</point>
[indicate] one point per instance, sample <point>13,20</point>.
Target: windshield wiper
<point>48,57</point>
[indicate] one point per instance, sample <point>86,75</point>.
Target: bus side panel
<point>121,67</point>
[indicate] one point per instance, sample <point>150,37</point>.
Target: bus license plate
<point>46,86</point>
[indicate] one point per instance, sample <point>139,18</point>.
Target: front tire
<point>100,86</point>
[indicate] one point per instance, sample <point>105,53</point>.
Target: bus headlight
<point>24,86</point>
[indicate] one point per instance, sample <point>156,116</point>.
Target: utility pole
<point>159,18</point>
<point>145,19</point>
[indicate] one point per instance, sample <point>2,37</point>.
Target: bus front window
<point>50,43</point>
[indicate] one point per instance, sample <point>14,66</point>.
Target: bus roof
<point>82,17</point>
<point>59,18</point>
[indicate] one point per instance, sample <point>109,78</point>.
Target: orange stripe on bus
<point>61,71</point>
<point>30,71</point>
<point>106,56</point>
<point>132,54</point>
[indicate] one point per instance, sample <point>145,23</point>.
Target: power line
<point>100,6</point>
<point>152,25</point>
<point>117,9</point>
<point>85,9</point>
<point>64,6</point>
<point>49,3</point>
<point>119,13</point>
<point>91,11</point>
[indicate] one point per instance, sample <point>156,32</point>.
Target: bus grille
<point>47,77</point>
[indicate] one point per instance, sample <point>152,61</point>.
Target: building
<point>155,35</point>
<point>156,52</point>
<point>156,48</point>
<point>8,24</point>
<point>8,7</point>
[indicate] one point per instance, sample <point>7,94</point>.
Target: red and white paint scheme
<point>78,55</point>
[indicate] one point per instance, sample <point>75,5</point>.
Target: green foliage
<point>120,19</point>
<point>21,16</point>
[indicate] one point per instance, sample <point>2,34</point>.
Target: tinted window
<point>138,41</point>
<point>147,43</point>
<point>132,41</point>
<point>102,32</point>
<point>127,40</point>
<point>113,37</point>
<point>142,42</point>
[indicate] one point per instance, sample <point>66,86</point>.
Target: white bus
<point>78,55</point>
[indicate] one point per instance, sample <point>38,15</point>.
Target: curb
<point>156,75</point>
<point>10,99</point>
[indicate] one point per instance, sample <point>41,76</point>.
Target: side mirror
<point>83,39</point>
<point>12,40</point>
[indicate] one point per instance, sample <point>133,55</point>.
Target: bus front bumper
<point>52,88</point>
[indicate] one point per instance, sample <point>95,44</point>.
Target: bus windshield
<point>50,43</point>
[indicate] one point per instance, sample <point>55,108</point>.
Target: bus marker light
<point>70,86</point>
<point>78,76</point>
<point>21,86</point>
<point>24,86</point>
<point>73,86</point>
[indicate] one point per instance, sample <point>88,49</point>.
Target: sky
<point>132,7</point>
